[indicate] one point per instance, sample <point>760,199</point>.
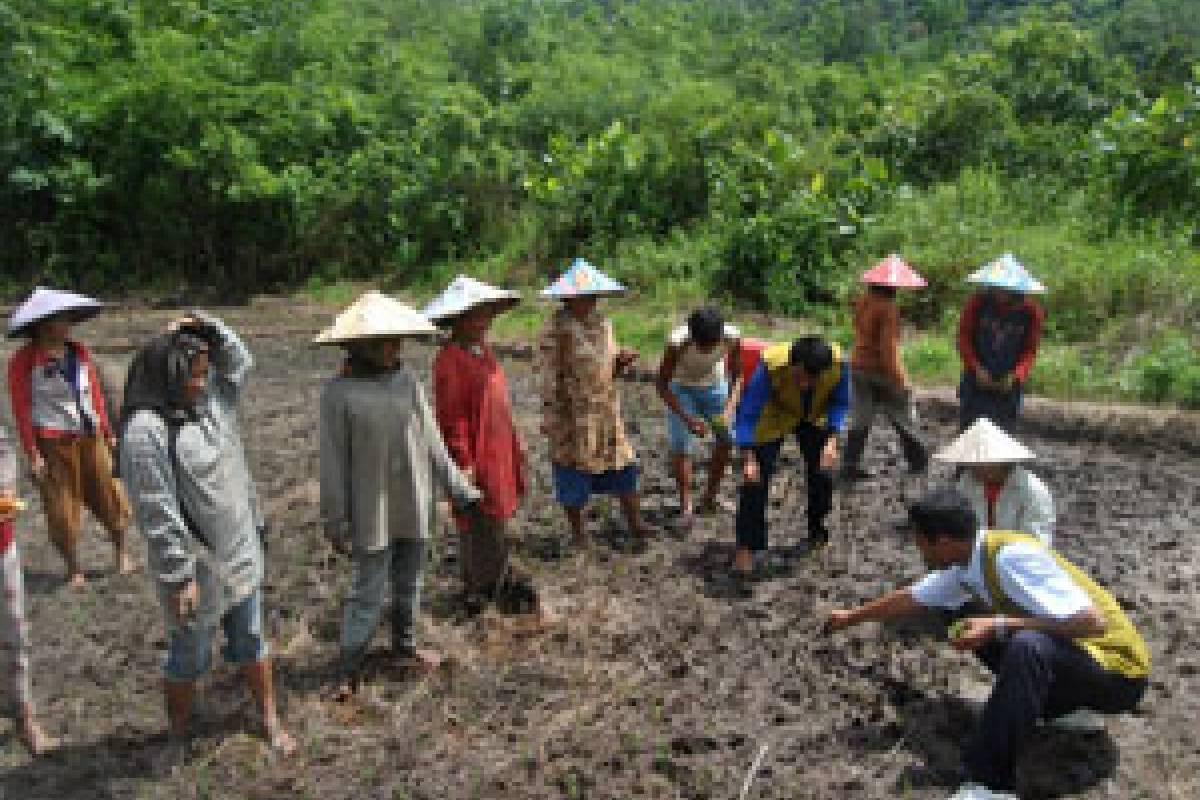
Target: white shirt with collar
<point>1028,573</point>
<point>1025,504</point>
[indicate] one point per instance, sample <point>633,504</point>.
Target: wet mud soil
<point>661,681</point>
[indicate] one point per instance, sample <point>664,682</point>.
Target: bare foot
<point>77,580</point>
<point>126,565</point>
<point>421,658</point>
<point>342,692</point>
<point>36,739</point>
<point>281,741</point>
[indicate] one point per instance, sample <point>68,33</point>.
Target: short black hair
<point>706,326</point>
<point>944,511</point>
<point>812,353</point>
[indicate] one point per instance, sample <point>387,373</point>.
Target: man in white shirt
<point>1057,641</point>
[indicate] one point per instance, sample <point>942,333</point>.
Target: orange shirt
<point>877,338</point>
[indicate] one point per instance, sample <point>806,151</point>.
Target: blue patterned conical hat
<point>580,280</point>
<point>1007,273</point>
<point>465,293</point>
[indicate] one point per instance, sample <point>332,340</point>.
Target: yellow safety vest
<point>1120,649</point>
<point>784,409</point>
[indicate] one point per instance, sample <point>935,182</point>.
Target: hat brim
<point>78,315</point>
<point>501,304</point>
<point>338,341</point>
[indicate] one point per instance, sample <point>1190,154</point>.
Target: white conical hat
<point>48,302</point>
<point>984,443</point>
<point>464,294</point>
<point>375,316</point>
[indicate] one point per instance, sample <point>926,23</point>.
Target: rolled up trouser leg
<point>483,552</point>
<point>103,493</point>
<point>363,606</point>
<point>408,559</point>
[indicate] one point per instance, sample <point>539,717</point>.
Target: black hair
<point>882,291</point>
<point>706,326</point>
<point>944,511</point>
<point>812,353</point>
<point>159,374</point>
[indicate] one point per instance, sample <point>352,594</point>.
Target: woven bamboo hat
<point>375,316</point>
<point>984,443</point>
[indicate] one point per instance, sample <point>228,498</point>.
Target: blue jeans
<point>699,401</point>
<point>399,566</point>
<point>189,649</point>
<point>1038,676</point>
<point>750,522</point>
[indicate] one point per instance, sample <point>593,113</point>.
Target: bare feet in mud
<point>35,738</point>
<point>281,742</point>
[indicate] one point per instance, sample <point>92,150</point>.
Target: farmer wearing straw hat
<point>59,409</point>
<point>577,363</point>
<point>381,454</point>
<point>880,384</point>
<point>692,384</point>
<point>474,413</point>
<point>801,388</point>
<point>14,628</point>
<point>998,337</point>
<point>1004,495</point>
<point>192,494</point>
<point>1056,640</point>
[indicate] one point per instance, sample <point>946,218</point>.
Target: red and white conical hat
<point>894,272</point>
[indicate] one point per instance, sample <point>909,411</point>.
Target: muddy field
<point>660,682</point>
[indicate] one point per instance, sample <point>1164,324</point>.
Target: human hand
<point>972,632</point>
<point>696,425</point>
<point>625,359</point>
<point>183,602</point>
<point>182,323</point>
<point>839,619</point>
<point>829,453</point>
<point>10,504</point>
<point>750,470</point>
<point>983,377</point>
<point>37,467</point>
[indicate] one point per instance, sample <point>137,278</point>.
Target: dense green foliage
<point>764,150</point>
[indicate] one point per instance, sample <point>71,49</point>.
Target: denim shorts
<point>573,487</point>
<point>189,649</point>
<point>700,401</point>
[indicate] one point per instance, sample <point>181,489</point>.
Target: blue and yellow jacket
<point>772,405</point>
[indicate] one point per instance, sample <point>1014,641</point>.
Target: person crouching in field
<point>59,409</point>
<point>474,413</point>
<point>185,465</point>
<point>692,383</point>
<point>577,364</point>
<point>998,337</point>
<point>1057,641</point>
<point>381,453</point>
<point>14,628</point>
<point>1003,493</point>
<point>880,384</point>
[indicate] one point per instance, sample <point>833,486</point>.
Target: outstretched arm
<point>896,604</point>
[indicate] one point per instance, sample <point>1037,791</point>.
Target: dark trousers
<point>750,522</point>
<point>1038,676</point>
<point>1000,407</point>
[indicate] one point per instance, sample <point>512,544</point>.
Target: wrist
<point>1000,627</point>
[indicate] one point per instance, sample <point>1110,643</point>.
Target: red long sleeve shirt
<point>473,411</point>
<point>968,329</point>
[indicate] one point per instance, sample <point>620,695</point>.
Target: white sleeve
<point>679,336</point>
<point>1039,511</point>
<point>941,589</point>
<point>1034,581</point>
<point>732,333</point>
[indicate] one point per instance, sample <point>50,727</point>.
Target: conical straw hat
<point>1007,273</point>
<point>894,272</point>
<point>580,280</point>
<point>375,316</point>
<point>466,293</point>
<point>45,303</point>
<point>984,443</point>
